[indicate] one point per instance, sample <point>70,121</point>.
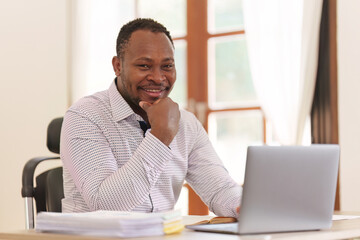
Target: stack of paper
<point>111,223</point>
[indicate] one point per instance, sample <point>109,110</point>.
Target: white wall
<point>33,76</point>
<point>349,102</point>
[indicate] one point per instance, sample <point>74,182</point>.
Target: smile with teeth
<point>153,90</point>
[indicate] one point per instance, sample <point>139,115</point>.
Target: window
<point>221,89</point>
<point>214,79</point>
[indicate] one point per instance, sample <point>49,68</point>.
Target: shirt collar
<point>119,107</point>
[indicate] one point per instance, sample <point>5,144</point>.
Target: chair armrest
<point>27,189</point>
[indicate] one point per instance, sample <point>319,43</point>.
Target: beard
<point>124,89</point>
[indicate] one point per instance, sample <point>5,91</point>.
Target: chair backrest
<point>53,135</point>
<point>49,190</point>
<point>49,184</point>
<point>54,191</point>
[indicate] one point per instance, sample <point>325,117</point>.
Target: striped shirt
<point>110,165</point>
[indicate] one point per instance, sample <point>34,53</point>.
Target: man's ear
<point>116,62</point>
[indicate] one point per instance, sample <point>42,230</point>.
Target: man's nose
<point>157,76</point>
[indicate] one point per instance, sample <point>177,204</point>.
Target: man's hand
<point>163,116</point>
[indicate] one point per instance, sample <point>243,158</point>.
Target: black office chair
<point>49,185</point>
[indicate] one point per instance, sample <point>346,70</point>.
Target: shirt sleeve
<point>87,155</point>
<point>210,179</point>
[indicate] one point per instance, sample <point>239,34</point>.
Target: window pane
<point>230,82</point>
<point>179,92</point>
<point>183,201</point>
<point>225,15</point>
<point>170,13</point>
<point>231,133</point>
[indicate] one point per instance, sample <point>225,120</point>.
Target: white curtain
<point>95,26</point>
<point>283,38</point>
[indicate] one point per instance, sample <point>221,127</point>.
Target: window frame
<point>197,76</point>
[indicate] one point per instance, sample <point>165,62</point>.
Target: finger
<point>157,101</point>
<point>144,105</point>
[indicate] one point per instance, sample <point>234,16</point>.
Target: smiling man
<point>146,73</point>
<point>130,148</point>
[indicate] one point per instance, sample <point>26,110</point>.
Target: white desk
<point>341,229</point>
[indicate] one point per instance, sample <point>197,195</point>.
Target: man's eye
<point>169,66</point>
<point>145,66</point>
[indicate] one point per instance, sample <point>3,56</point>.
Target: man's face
<point>147,70</point>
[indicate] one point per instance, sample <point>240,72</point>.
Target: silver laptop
<point>286,188</point>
